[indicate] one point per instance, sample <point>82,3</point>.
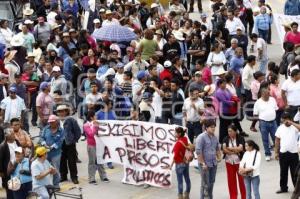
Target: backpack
<point>283,66</point>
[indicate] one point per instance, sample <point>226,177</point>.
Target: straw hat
<point>30,54</point>
<point>221,71</point>
<point>54,26</point>
<point>28,11</point>
<point>17,41</point>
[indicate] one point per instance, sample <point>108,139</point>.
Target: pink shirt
<point>255,85</point>
<point>90,130</point>
<point>293,38</point>
<point>275,92</point>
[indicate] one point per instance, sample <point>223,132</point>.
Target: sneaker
<point>75,181</point>
<point>82,138</point>
<point>268,158</point>
<point>93,182</point>
<point>105,180</point>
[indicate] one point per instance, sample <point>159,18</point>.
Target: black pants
<point>288,161</point>
<point>68,159</point>
<point>249,20</point>
<point>33,107</point>
<point>269,34</point>
<point>224,123</point>
<point>199,5</point>
<point>194,129</point>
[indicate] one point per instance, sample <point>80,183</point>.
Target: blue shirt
<point>236,64</point>
<point>110,115</point>
<point>207,146</point>
<point>263,21</point>
<point>68,68</point>
<point>24,165</point>
<point>37,168</point>
<point>53,140</point>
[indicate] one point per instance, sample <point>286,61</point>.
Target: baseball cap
<point>66,34</point>
<point>120,65</point>
<point>239,28</point>
<point>203,15</point>
<point>96,21</point>
<point>52,118</point>
<point>18,150</point>
<point>41,151</point>
<point>44,85</point>
<point>141,74</point>
<point>56,69</point>
<point>13,89</point>
<point>198,73</point>
<point>167,64</point>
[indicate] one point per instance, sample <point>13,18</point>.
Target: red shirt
<point>165,74</point>
<point>293,38</point>
<point>179,150</point>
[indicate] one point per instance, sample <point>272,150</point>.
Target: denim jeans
<point>182,171</point>
<point>263,65</point>
<point>194,129</point>
<point>55,161</point>
<point>266,129</point>
<point>263,34</point>
<point>252,182</point>
<point>208,177</point>
<point>42,192</point>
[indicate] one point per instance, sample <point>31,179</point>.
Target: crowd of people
<point>192,73</point>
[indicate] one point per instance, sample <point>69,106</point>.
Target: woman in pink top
<point>89,61</point>
<point>205,70</point>
<point>90,128</point>
<point>255,85</point>
<point>275,91</point>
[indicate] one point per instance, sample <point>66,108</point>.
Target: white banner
<point>280,20</point>
<point>143,148</point>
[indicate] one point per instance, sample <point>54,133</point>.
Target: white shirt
<point>231,89</point>
<point>248,159</point>
<point>93,99</point>
<point>297,117</point>
<point>192,114</point>
<point>112,22</point>
<point>213,58</point>
<point>266,110</point>
<point>247,76</point>
<point>231,25</point>
<point>157,104</point>
<point>51,18</point>
<point>262,45</point>
<point>288,136</point>
<point>292,90</point>
<point>12,147</point>
<point>247,4</point>
<point>136,86</point>
<point>7,35</point>
<point>119,78</point>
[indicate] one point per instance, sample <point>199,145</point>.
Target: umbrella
<point>114,33</point>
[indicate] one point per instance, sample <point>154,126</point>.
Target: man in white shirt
<point>290,91</point>
<point>109,19</point>
<point>262,56</point>
<point>136,65</point>
<point>192,109</point>
<point>265,108</point>
<point>286,150</point>
<point>232,23</point>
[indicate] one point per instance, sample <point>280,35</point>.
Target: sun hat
<point>28,11</point>
<point>221,71</point>
<point>28,21</point>
<point>54,26</point>
<point>30,54</point>
<point>159,32</point>
<point>62,107</point>
<point>108,12</point>
<point>17,40</point>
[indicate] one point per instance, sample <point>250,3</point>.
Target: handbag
<point>250,173</point>
<point>14,184</point>
<point>189,154</point>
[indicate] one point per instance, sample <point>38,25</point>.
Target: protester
<point>233,149</point>
<point>286,150</point>
<point>208,152</point>
<point>181,164</point>
<point>250,169</point>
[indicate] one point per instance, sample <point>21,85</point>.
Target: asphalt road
<point>269,183</point>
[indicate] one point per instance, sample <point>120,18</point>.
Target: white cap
<point>28,21</point>
<point>19,150</point>
<point>96,21</point>
<point>167,64</point>
<point>154,5</point>
<point>56,69</point>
